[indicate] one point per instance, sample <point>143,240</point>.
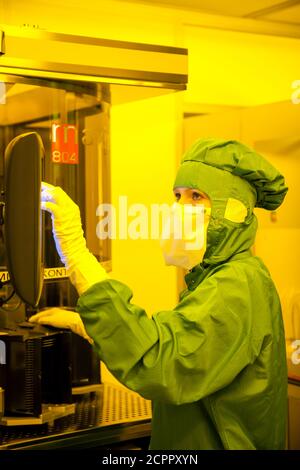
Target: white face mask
<point>183,239</point>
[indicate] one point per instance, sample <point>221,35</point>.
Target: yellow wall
<point>144,146</point>
<point>239,69</point>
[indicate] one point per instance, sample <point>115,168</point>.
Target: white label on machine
<point>49,273</point>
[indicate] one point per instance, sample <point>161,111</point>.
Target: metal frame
<point>41,54</point>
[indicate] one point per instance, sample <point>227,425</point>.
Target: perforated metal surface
<point>100,406</point>
<point>121,406</point>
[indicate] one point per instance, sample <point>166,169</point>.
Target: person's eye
<point>177,196</point>
<point>196,196</point>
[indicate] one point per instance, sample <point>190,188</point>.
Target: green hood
<point>228,169</point>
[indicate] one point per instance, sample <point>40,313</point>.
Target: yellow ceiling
<point>269,10</point>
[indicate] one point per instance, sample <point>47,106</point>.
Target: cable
<point>4,301</point>
<point>12,309</point>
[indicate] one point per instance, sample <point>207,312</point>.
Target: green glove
<point>83,268</point>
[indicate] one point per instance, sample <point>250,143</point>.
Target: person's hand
<point>66,223</point>
<point>83,268</point>
<point>62,318</point>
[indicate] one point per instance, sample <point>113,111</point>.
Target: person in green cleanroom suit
<point>214,366</point>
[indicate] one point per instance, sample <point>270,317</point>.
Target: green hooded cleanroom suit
<point>214,366</point>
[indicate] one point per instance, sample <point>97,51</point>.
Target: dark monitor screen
<point>22,219</point>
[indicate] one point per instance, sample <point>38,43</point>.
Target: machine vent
<point>30,376</point>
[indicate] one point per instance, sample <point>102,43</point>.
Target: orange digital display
<point>64,144</point>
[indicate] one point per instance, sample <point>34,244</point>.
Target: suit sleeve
<point>178,356</point>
